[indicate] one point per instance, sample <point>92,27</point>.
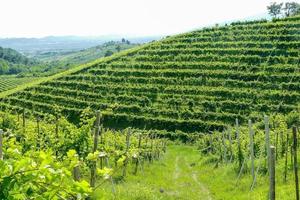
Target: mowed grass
<point>183,174</point>
<point>223,183</point>
<point>172,177</point>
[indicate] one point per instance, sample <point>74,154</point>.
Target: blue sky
<point>38,18</point>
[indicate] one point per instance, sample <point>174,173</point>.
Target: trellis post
<point>96,137</point>
<point>295,162</point>
<point>1,144</point>
<point>251,134</point>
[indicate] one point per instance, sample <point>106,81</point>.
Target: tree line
<point>283,9</point>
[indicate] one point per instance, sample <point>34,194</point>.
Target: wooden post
<point>146,146</point>
<point>96,136</point>
<point>24,122</point>
<point>56,126</point>
<point>251,134</point>
<point>56,132</point>
<point>211,149</point>
<point>272,173</point>
<point>220,150</point>
<point>164,146</point>
<point>276,145</point>
<point>267,132</point>
<point>126,152</point>
<point>292,158</point>
<point>157,148</point>
<point>240,156</point>
<point>154,155</point>
<point>76,173</point>
<point>138,156</point>
<point>1,144</point>
<point>38,125</point>
<point>151,149</point>
<point>115,146</point>
<point>39,138</point>
<point>286,155</point>
<point>230,144</point>
<point>282,144</point>
<point>102,142</point>
<point>295,161</point>
<point>224,146</point>
<point>97,131</point>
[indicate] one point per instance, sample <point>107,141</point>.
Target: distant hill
<point>47,63</point>
<point>13,56</point>
<point>59,61</point>
<point>75,57</point>
<point>12,62</point>
<point>35,46</point>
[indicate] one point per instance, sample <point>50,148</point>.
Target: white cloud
<point>37,18</point>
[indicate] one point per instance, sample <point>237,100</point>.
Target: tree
<point>291,8</point>
<point>108,53</point>
<point>118,48</point>
<point>4,68</point>
<point>123,40</point>
<point>274,9</point>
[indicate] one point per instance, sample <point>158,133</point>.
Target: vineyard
<point>265,149</point>
<point>10,82</point>
<point>49,158</point>
<point>194,82</point>
<point>208,114</point>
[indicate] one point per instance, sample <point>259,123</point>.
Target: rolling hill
<point>33,47</point>
<point>12,62</point>
<point>50,63</point>
<point>59,61</point>
<point>197,81</point>
<point>44,64</point>
<point>84,55</point>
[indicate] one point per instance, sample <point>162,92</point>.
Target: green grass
<point>223,184</point>
<point>170,178</point>
<point>184,174</point>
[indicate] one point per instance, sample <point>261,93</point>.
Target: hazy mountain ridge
<point>57,61</point>
<point>35,46</point>
<point>43,63</point>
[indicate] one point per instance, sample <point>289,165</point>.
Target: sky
<point>39,18</point>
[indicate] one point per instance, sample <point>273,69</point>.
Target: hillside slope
<point>12,62</point>
<point>198,81</point>
<point>59,61</point>
<point>9,82</point>
<point>84,55</point>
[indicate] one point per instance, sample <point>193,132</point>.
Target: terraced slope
<point>197,81</point>
<point>9,82</point>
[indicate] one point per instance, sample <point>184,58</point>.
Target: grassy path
<point>173,177</point>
